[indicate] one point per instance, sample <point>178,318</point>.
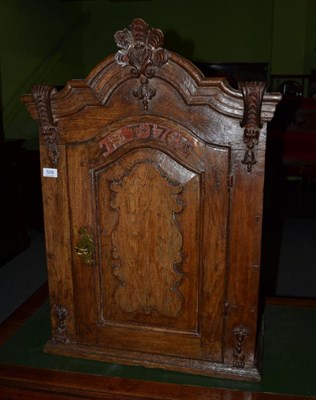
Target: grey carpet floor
<point>22,275</point>
<point>297,262</point>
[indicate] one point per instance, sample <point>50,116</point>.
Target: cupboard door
<point>155,217</point>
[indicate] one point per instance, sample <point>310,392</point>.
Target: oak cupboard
<point>152,179</point>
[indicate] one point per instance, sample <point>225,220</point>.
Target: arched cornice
<point>141,58</point>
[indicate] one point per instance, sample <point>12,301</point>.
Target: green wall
<point>201,30</point>
<point>289,36</point>
<point>40,42</point>
<point>310,44</point>
<point>294,37</point>
<point>53,41</point>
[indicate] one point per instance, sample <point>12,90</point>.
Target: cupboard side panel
<point>244,261</point>
<point>213,252</point>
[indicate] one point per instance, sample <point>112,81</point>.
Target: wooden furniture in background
<point>292,158</point>
<point>152,190</point>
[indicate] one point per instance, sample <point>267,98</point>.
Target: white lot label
<point>50,172</point>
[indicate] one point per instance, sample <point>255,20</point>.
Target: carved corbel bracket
<point>253,94</point>
<point>240,333</point>
<point>48,127</point>
<point>140,48</point>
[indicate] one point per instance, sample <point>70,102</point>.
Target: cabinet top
<point>144,80</point>
<point>142,64</point>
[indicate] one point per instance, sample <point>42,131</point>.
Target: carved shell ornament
<point>140,48</point>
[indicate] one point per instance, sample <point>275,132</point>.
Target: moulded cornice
<point>142,58</point>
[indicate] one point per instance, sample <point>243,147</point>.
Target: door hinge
<point>230,181</point>
<point>226,309</point>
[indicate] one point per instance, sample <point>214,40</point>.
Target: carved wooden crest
<point>141,49</point>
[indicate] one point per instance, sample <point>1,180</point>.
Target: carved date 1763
<point>180,141</point>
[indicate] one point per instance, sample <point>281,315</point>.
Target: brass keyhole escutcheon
<point>85,246</point>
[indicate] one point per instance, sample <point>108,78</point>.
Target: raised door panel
<point>157,212</point>
<point>143,241</point>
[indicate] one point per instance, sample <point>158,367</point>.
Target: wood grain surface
<point>162,169</point>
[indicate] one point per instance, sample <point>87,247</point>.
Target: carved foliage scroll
<point>48,128</point>
<point>141,49</point>
<point>147,242</point>
<point>240,334</point>
<point>61,315</point>
<point>253,95</point>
